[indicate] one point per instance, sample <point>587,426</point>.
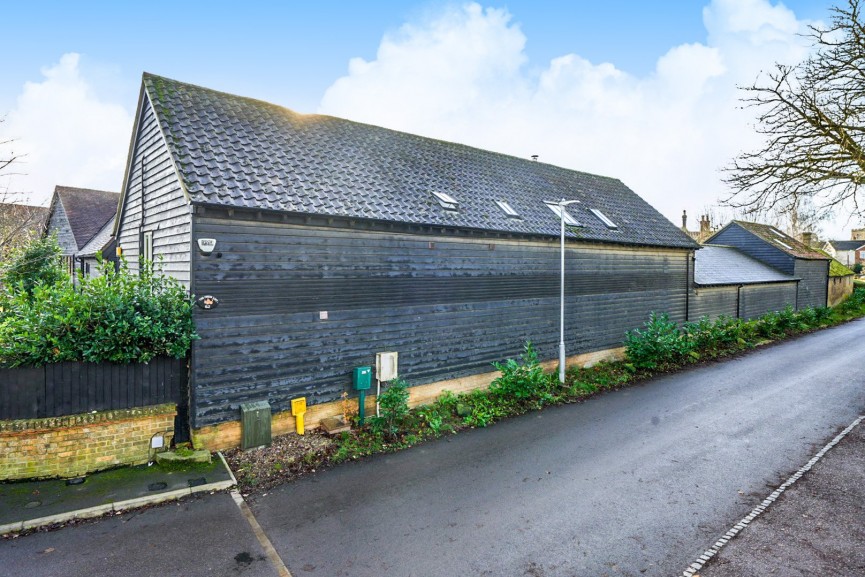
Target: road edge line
<point>756,511</point>
<point>268,547</point>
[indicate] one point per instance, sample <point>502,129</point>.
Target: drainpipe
<point>739,302</point>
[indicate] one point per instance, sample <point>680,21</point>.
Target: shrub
<point>660,343</point>
<point>119,317</point>
<point>522,381</point>
<point>37,263</point>
<point>393,406</point>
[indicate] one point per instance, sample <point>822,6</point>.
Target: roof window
<point>447,201</point>
<point>507,209</point>
<point>603,218</point>
<point>569,220</point>
<point>784,244</point>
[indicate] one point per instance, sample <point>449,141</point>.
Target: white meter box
<point>386,366</point>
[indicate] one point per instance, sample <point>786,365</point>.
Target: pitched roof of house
<point>244,153</point>
<point>846,244</point>
<point>723,265</point>
<point>780,240</point>
<point>99,240</point>
<point>87,210</point>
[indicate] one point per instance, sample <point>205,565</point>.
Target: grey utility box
<point>254,424</point>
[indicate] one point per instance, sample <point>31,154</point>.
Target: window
<point>507,209</point>
<point>603,218</point>
<point>446,201</point>
<point>558,211</point>
<point>147,246</point>
<point>784,244</point>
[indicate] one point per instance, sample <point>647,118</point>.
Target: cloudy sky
<point>641,91</point>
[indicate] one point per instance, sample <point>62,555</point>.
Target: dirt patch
<point>287,458</point>
<point>815,528</point>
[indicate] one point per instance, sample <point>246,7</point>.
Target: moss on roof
<point>835,267</point>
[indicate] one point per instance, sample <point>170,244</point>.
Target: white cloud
<point>463,76</point>
<point>69,135</point>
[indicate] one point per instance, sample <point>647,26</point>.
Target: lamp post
<point>562,204</point>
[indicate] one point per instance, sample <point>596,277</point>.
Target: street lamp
<point>561,204</point>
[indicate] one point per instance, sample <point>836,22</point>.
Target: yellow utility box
<point>298,409</point>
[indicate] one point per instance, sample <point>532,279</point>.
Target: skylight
<point>603,218</point>
<point>447,201</point>
<point>558,211</point>
<point>507,209</point>
<point>784,244</point>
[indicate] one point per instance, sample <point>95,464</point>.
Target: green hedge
<point>118,317</point>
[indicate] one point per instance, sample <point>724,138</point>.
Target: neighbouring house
<point>313,243</point>
<point>847,252</point>
<point>784,253</point>
<point>728,282</point>
<point>83,220</point>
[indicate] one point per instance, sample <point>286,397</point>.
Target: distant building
<point>83,220</point>
<point>706,229</point>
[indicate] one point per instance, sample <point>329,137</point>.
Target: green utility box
<point>254,424</point>
<point>362,378</point>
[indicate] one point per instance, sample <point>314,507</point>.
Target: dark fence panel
<point>71,388</point>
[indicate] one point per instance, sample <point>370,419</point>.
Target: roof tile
<point>228,146</point>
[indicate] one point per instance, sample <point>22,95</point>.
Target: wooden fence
<point>71,388</point>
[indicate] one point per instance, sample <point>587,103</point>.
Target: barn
<point>321,242</point>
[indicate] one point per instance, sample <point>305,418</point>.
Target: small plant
<point>349,407</point>
<point>522,381</point>
<point>393,404</point>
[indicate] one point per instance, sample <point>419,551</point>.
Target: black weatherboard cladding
<point>449,306</point>
<point>755,247</point>
<point>814,286</point>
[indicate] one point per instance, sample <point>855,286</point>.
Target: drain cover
<point>76,481</point>
<point>197,482</point>
<point>32,504</point>
<point>157,486</point>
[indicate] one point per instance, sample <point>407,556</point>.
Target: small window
<point>603,218</point>
<point>447,201</point>
<point>784,244</point>
<point>568,218</point>
<point>507,209</point>
<point>147,248</point>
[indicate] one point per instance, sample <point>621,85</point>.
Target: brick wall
<point>75,445</point>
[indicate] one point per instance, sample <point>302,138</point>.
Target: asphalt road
<point>635,482</point>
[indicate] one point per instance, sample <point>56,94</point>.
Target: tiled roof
<point>87,210</point>
<point>244,153</point>
<point>781,240</point>
<point>846,244</point>
<point>721,265</point>
<point>99,240</point>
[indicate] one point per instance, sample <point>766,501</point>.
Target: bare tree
<point>813,118</point>
<point>19,222</point>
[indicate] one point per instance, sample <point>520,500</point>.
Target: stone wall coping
<point>92,418</point>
